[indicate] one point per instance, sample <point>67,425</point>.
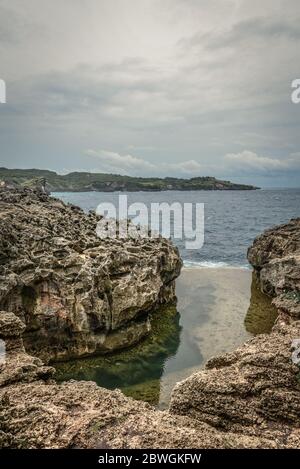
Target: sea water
<point>219,302</point>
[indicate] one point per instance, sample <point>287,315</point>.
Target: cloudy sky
<point>152,87</point>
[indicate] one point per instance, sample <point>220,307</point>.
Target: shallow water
<point>217,310</point>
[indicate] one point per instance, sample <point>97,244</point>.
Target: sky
<point>179,88</point>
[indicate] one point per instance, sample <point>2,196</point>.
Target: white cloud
<point>127,164</point>
<point>132,165</point>
<point>246,160</point>
<point>186,167</point>
<point>195,80</point>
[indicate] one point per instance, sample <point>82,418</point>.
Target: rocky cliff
<point>275,255</point>
<point>84,182</point>
<point>246,399</point>
<point>35,412</point>
<point>255,390</point>
<point>77,294</point>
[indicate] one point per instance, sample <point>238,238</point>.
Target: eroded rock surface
<point>35,412</point>
<point>249,398</point>
<point>77,294</point>
<point>16,365</point>
<point>255,390</point>
<point>275,255</point>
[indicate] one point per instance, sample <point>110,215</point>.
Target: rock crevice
<point>249,398</point>
<point>255,391</point>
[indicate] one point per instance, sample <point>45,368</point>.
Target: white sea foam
<point>213,265</point>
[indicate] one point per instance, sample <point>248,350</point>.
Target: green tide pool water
<point>217,310</point>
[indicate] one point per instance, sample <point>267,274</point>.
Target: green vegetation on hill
<point>84,182</point>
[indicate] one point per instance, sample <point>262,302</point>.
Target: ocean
<point>219,305</point>
<point>232,218</point>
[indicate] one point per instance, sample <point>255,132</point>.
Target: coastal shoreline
<point>85,181</point>
<point>212,305</point>
<point>239,400</point>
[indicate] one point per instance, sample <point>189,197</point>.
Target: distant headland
<point>102,182</point>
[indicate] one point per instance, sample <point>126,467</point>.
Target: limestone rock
<point>77,294</point>
<point>275,243</point>
<point>255,390</point>
<point>275,255</point>
<point>82,415</point>
<point>249,398</point>
<point>35,412</point>
<point>16,365</point>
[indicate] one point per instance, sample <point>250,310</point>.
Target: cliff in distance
<point>85,182</point>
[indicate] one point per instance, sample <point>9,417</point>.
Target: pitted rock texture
<point>249,398</point>
<point>255,390</point>
<point>16,365</point>
<point>275,255</point>
<point>275,244</point>
<point>35,412</point>
<point>77,294</point>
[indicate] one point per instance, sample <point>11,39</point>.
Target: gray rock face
<point>17,366</point>
<point>275,255</point>
<point>275,244</point>
<point>255,390</point>
<point>77,294</point>
<point>35,412</point>
<point>246,399</point>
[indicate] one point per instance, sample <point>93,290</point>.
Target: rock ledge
<point>77,294</point>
